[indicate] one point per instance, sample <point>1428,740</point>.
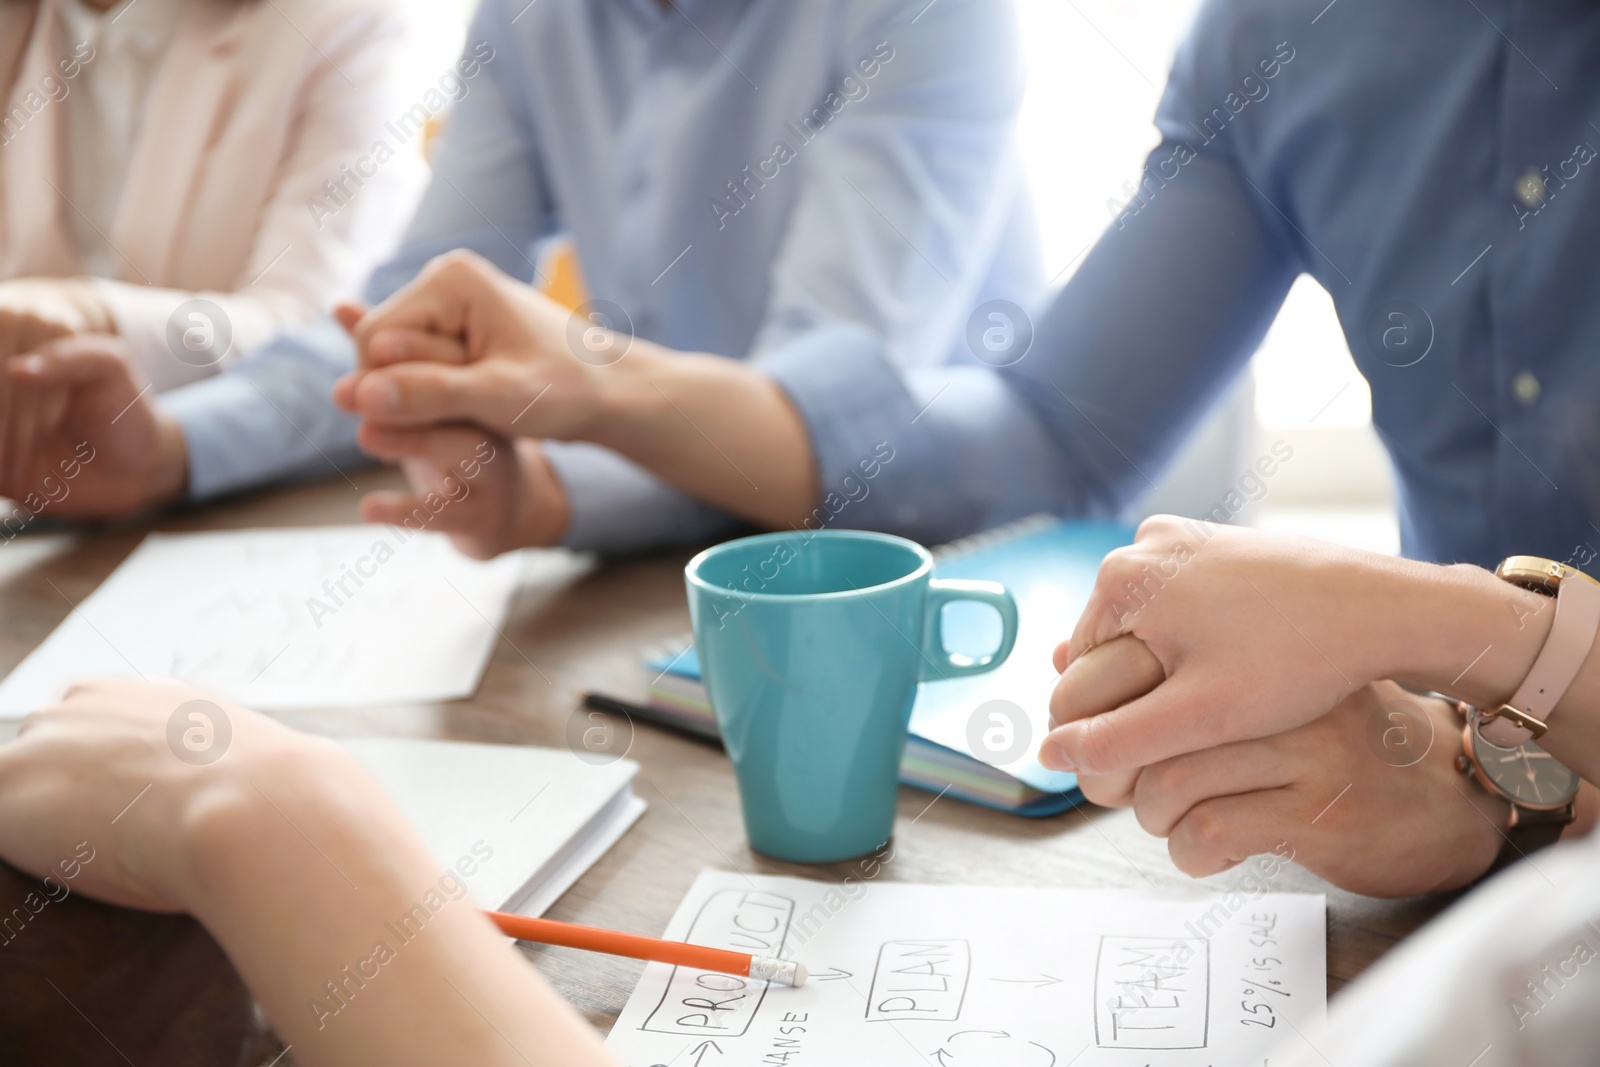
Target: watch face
<point>1527,774</point>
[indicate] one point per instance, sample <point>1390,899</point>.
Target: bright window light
<point>1096,69</point>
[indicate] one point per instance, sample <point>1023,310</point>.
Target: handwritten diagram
<point>1152,992</point>
<point>992,1048</point>
<point>704,1002</point>
<point>963,976</point>
<point>919,980</point>
<point>282,619</point>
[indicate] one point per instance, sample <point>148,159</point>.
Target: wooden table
<point>91,984</point>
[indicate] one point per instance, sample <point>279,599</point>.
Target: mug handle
<point>938,662</point>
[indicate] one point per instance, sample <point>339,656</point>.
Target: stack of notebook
<point>1050,567</point>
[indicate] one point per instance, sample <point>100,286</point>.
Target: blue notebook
<point>1050,566</point>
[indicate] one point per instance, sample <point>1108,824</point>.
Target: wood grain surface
<point>86,984</point>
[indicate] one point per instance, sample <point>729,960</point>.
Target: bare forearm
<point>1476,638</point>
<point>713,427</point>
<point>358,946</point>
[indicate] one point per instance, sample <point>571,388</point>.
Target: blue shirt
<point>1432,163</point>
<point>754,178</point>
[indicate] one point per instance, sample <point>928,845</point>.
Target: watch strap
<point>1531,832</point>
<point>1526,715</point>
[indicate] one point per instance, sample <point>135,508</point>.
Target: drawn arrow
<point>946,1057</point>
<point>941,1054</point>
<point>833,974</point>
<point>702,1048</point>
<point>1042,980</point>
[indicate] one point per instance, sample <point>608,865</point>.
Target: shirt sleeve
<point>912,196</point>
<point>1124,361</point>
<point>270,416</point>
<point>489,191</point>
<point>302,261</point>
<point>913,191</point>
<point>619,507</point>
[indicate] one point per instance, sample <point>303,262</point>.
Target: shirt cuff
<point>880,465</point>
<point>619,507</point>
<point>142,314</point>
<point>269,417</point>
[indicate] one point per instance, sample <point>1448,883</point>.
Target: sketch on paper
<point>964,976</point>
<point>1152,992</point>
<point>919,980</point>
<point>337,616</point>
<point>700,1003</point>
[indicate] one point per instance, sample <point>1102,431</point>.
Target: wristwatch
<point>1526,716</point>
<point>1540,789</point>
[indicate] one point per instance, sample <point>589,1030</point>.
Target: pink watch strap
<point>1571,637</point>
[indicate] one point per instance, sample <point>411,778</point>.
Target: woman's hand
<point>84,439</point>
<point>290,854</point>
<point>124,770</point>
<point>34,311</point>
<point>1254,633</point>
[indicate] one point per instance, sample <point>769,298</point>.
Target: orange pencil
<point>635,946</point>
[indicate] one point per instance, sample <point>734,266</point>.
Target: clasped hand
<point>462,361</point>
<point>1339,795</point>
<point>36,311</point>
<point>1254,634</point>
<point>465,343</point>
<point>1221,682</point>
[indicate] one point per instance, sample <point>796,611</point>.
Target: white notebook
<point>526,822</point>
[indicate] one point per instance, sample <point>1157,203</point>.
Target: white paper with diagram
<point>282,619</point>
<point>962,976</point>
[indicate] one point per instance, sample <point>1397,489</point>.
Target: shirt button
<point>1526,388</point>
<point>1531,189</point>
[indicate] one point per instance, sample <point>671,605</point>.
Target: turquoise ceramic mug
<point>812,645</point>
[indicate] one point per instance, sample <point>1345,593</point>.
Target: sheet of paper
<point>281,619</point>
<point>958,976</point>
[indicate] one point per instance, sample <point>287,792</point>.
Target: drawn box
<point>1152,992</point>
<point>919,980</point>
<point>699,1003</point>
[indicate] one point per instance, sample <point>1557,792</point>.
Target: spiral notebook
<point>1050,566</point>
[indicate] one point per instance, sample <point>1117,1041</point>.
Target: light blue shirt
<point>1419,160</point>
<point>776,181</point>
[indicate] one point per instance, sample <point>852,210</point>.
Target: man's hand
<point>83,439</point>
<point>35,311</point>
<point>465,342</point>
<point>490,495</point>
<point>1255,634</point>
<point>1367,796</point>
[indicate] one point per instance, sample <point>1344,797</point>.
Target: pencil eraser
<point>800,975</point>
